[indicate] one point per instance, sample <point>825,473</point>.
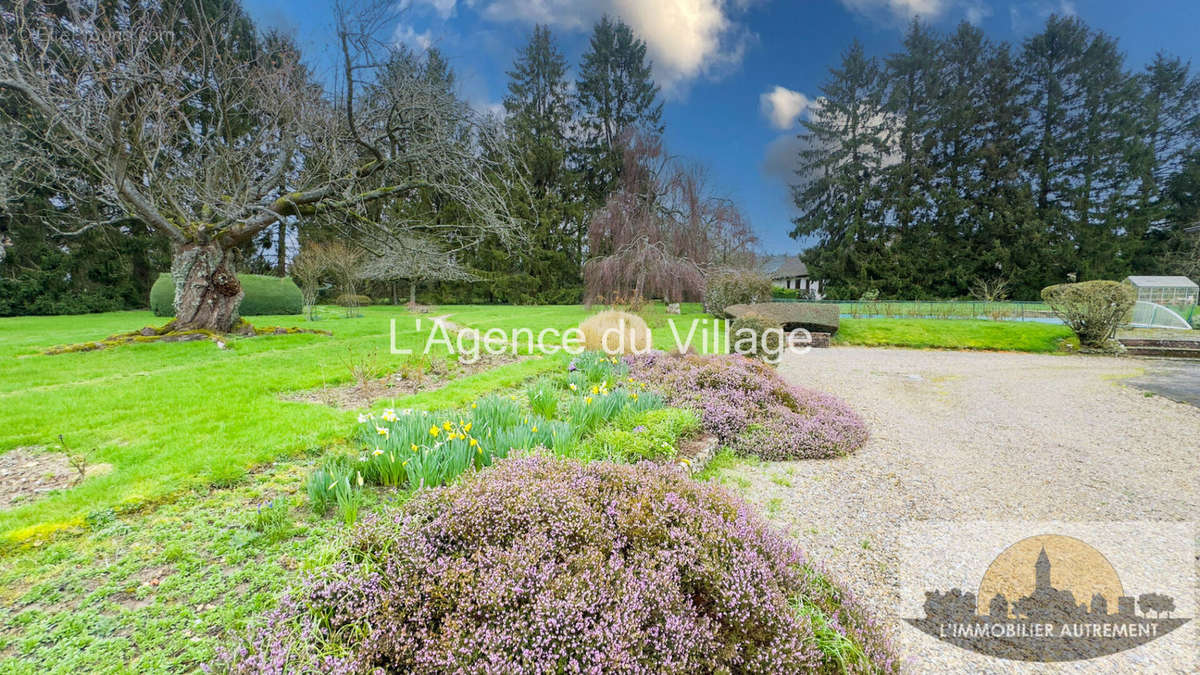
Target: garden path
<point>970,436</point>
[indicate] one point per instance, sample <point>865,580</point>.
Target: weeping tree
<point>658,232</point>
<point>151,119</point>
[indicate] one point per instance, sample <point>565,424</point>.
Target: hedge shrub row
<point>264,295</point>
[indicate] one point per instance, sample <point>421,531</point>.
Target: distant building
<point>787,271</point>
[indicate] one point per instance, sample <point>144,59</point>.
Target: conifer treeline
<point>960,161</point>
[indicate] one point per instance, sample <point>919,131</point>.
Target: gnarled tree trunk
<point>207,291</point>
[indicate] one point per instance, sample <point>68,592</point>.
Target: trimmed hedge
<point>816,317</point>
<point>264,295</point>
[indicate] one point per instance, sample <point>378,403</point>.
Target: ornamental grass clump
<point>749,408</point>
<point>539,566</point>
<point>614,332</point>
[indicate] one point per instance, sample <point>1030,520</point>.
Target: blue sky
<point>735,73</point>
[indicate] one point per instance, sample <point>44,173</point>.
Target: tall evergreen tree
<point>617,94</point>
<point>840,189</point>
<point>540,115</point>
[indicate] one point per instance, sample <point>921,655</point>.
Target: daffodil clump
<point>413,448</point>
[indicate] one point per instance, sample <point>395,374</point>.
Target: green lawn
<point>159,589</point>
<point>1022,336</point>
<point>169,417</point>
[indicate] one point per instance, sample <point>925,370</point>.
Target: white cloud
<point>443,8</point>
<point>900,12</point>
<point>900,9</point>
<point>782,106</point>
<point>781,160</point>
<point>1031,16</point>
<point>407,35</point>
<point>684,38</point>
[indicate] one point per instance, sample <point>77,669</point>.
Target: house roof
<point>1161,282</point>
<point>788,268</point>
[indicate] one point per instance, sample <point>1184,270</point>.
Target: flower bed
<point>539,565</point>
<point>750,408</point>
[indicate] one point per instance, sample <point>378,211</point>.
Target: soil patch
<point>404,382</point>
<point>28,473</point>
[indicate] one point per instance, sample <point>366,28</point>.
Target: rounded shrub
<point>734,287</point>
<point>541,566</point>
<point>756,336</point>
<point>264,295</point>
<point>1094,310</point>
<point>614,332</point>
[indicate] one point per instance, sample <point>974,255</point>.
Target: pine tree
<point>911,106</point>
<point>540,118</point>
<point>617,95</point>
<point>840,189</point>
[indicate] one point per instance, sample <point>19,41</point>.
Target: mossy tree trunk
<point>207,290</point>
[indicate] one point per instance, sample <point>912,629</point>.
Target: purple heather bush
<point>750,408</point>
<point>545,566</point>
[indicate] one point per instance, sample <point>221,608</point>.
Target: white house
<point>790,272</point>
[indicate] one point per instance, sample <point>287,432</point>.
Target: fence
<point>939,309</point>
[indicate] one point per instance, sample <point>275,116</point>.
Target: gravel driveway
<point>970,436</point>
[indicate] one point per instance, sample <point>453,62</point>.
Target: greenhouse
<point>1164,302</point>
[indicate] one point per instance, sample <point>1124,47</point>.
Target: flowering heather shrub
<point>542,566</point>
<point>750,408</point>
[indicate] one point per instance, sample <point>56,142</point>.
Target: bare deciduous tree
<point>414,259</point>
<point>655,235</point>
<point>146,115</point>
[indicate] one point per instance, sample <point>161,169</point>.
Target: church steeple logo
<point>1048,598</point>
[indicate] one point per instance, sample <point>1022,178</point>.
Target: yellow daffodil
<point>474,442</point>
<point>633,395</point>
<point>533,429</point>
<point>414,447</point>
<point>433,430</point>
<point>467,426</point>
<point>595,390</point>
<point>447,426</point>
<point>588,400</point>
<point>474,405</point>
<point>630,379</point>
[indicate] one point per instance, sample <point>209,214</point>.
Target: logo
<point>1049,598</point>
